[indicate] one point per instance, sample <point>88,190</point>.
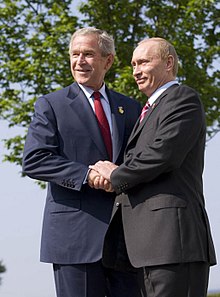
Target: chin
<point>141,88</point>
<point>81,80</point>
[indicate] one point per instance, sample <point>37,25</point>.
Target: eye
<point>75,55</point>
<point>144,62</point>
<point>133,65</point>
<point>89,55</point>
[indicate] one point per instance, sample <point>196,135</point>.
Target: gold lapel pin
<point>120,110</point>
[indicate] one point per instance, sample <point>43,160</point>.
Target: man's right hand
<point>95,180</point>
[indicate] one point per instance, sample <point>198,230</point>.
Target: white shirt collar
<point>160,90</point>
<point>89,92</point>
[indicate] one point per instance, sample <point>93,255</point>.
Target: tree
<point>34,59</point>
<point>2,269</point>
<point>193,28</point>
<point>35,36</point>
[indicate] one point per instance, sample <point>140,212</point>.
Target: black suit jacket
<point>62,141</point>
<point>160,187</point>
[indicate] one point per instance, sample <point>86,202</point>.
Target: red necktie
<point>103,123</point>
<point>144,110</point>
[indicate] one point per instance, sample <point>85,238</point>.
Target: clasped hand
<point>99,175</point>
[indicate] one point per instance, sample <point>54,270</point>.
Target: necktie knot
<point>144,111</point>
<point>96,95</point>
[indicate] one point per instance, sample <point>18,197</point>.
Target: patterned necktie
<point>144,110</point>
<point>103,123</point>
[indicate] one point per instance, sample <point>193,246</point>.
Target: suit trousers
<point>93,280</point>
<point>182,280</point>
<point>171,280</point>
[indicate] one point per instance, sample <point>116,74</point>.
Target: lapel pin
<point>120,110</point>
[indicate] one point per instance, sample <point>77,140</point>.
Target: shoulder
<point>182,93</point>
<point>115,94</point>
<point>59,96</point>
<point>64,92</point>
<point>123,99</point>
<point>182,98</point>
<point>182,90</point>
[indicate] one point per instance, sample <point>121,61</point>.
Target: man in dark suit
<point>64,137</point>
<point>160,192</point>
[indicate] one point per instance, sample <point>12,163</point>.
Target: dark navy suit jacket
<point>62,141</point>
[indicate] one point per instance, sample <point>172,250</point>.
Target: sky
<point>21,212</point>
<point>22,203</point>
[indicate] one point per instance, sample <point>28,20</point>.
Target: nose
<point>136,71</point>
<point>81,58</point>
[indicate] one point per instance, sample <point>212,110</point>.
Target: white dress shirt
<point>160,90</point>
<point>104,100</point>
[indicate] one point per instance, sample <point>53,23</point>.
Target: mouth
<point>140,80</point>
<point>82,70</point>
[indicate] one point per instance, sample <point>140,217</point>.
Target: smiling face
<point>88,66</point>
<point>149,69</point>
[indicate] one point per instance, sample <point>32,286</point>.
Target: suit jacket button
<point>117,204</point>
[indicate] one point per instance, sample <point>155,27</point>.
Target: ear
<point>109,62</point>
<point>170,63</point>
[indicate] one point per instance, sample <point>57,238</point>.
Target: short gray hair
<point>105,41</point>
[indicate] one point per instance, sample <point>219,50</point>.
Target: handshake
<point>99,175</point>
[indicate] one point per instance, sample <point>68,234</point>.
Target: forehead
<point>145,50</point>
<point>86,42</point>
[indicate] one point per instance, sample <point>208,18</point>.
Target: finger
<point>96,183</point>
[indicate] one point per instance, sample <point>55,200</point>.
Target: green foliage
<point>191,25</point>
<point>214,295</point>
<point>34,59</point>
<point>2,269</point>
<point>34,38</point>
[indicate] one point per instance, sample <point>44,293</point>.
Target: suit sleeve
<point>42,159</point>
<point>176,130</point>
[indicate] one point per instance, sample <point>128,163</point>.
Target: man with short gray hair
<point>71,129</point>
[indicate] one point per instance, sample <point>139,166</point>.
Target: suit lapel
<point>118,122</point>
<point>139,126</point>
<point>83,111</point>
